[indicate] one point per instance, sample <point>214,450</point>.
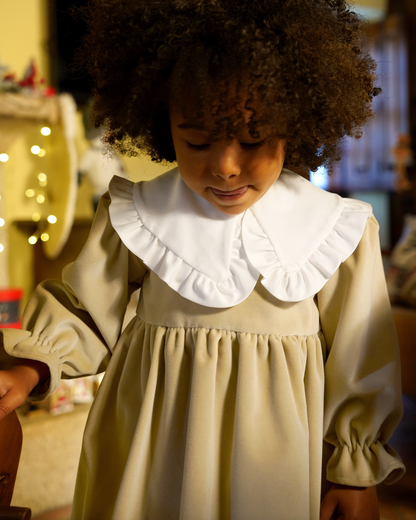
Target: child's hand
<point>350,503</point>
<point>17,383</point>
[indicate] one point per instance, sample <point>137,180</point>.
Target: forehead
<point>221,128</point>
<point>224,112</point>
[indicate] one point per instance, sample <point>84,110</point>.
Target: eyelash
<point>252,146</point>
<point>197,146</point>
<point>245,146</point>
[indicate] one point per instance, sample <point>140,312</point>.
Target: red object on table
<point>10,308</point>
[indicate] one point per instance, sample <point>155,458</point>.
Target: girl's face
<point>232,177</point>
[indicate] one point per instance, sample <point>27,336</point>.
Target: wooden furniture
<point>10,448</point>
<point>405,321</point>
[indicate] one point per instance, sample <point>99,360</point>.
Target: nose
<point>226,161</point>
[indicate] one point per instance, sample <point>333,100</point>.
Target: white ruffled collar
<point>295,237</point>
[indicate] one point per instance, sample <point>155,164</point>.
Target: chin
<point>231,210</point>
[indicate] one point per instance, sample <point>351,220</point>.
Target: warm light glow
<point>1,248</point>
<point>43,179</point>
<point>36,217</point>
<point>35,149</point>
<point>40,199</point>
<point>52,219</point>
<point>32,240</point>
<point>2,222</point>
<point>30,193</point>
<point>45,131</point>
<point>4,157</point>
<point>41,153</point>
<point>44,237</point>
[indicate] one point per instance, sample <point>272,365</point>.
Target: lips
<point>230,195</point>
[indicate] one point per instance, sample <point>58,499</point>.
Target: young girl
<point>263,329</point>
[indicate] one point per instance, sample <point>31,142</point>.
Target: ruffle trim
<point>180,276</point>
<point>252,256</point>
<point>364,466</point>
<point>298,281</point>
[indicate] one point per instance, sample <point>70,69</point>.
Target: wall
<point>24,35</point>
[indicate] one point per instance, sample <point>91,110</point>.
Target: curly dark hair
<point>298,66</point>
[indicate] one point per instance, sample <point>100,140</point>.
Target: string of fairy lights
<point>39,193</point>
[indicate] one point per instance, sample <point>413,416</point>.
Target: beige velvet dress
<point>221,413</point>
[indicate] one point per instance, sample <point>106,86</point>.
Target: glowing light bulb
<point>52,219</point>
<point>35,150</point>
<point>43,179</point>
<point>44,237</point>
<point>4,157</point>
<point>2,222</point>
<point>30,193</point>
<point>41,153</point>
<point>36,217</point>
<point>1,248</point>
<point>45,131</point>
<point>40,199</point>
<point>32,240</point>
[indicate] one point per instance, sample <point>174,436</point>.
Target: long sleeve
<point>363,401</point>
<point>73,325</point>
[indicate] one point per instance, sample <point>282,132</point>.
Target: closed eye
<point>197,146</point>
<point>245,146</point>
<point>252,146</point>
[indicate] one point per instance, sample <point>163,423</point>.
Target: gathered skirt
<point>195,423</point>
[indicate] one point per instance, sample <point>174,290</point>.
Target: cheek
<point>192,164</point>
<point>265,170</point>
<point>276,159</point>
<point>191,175</point>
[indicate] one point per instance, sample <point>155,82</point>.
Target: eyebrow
<point>190,126</point>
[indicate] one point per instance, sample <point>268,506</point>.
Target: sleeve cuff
<point>364,466</point>
<point>20,344</point>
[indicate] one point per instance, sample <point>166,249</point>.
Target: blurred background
<point>53,171</point>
